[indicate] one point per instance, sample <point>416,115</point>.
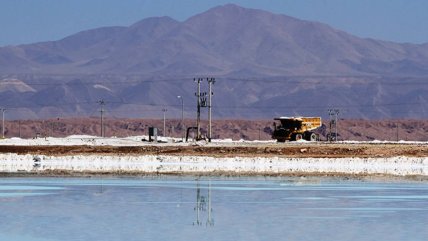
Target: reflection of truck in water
<point>296,128</point>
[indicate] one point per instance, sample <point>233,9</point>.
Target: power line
<point>98,83</point>
<point>287,79</point>
<point>262,107</point>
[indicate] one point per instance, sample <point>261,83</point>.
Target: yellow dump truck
<point>296,128</point>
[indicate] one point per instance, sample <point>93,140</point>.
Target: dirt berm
<point>263,150</point>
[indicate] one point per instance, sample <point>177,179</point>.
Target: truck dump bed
<point>308,123</point>
<point>295,128</point>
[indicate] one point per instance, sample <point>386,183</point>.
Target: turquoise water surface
<point>187,208</point>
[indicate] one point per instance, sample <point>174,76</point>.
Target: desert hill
<point>265,64</point>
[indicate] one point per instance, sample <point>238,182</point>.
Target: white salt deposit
<point>401,166</point>
<point>198,164</point>
<point>138,140</point>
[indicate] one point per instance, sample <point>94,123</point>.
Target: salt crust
<point>400,166</point>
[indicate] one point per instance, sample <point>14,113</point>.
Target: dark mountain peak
<point>230,8</point>
<point>235,10</point>
<point>232,22</point>
<point>153,22</point>
<point>222,13</point>
<point>231,11</point>
<point>151,27</point>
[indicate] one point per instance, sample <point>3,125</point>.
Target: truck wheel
<point>299,137</point>
<point>310,136</point>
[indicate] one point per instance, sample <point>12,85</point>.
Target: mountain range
<point>265,65</point>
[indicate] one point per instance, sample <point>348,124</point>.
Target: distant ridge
<point>295,67</point>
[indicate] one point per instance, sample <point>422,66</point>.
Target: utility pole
<point>210,220</point>
<point>164,126</point>
<point>2,125</point>
<point>331,113</point>
<point>211,81</point>
<point>202,102</point>
<point>198,115</point>
<point>336,112</point>
<point>102,103</point>
<point>183,128</point>
<point>198,206</point>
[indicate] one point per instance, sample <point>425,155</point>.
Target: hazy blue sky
<point>27,21</point>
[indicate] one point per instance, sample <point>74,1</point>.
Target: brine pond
<point>190,208</point>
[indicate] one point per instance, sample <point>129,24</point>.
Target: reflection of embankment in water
<point>244,208</point>
<point>204,165</point>
<point>203,204</point>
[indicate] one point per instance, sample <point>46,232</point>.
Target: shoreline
<point>223,159</point>
<point>303,176</point>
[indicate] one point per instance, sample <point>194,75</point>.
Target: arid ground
<point>359,130</point>
<point>300,150</point>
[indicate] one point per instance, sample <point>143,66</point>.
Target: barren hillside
<point>265,65</point>
<point>361,130</point>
